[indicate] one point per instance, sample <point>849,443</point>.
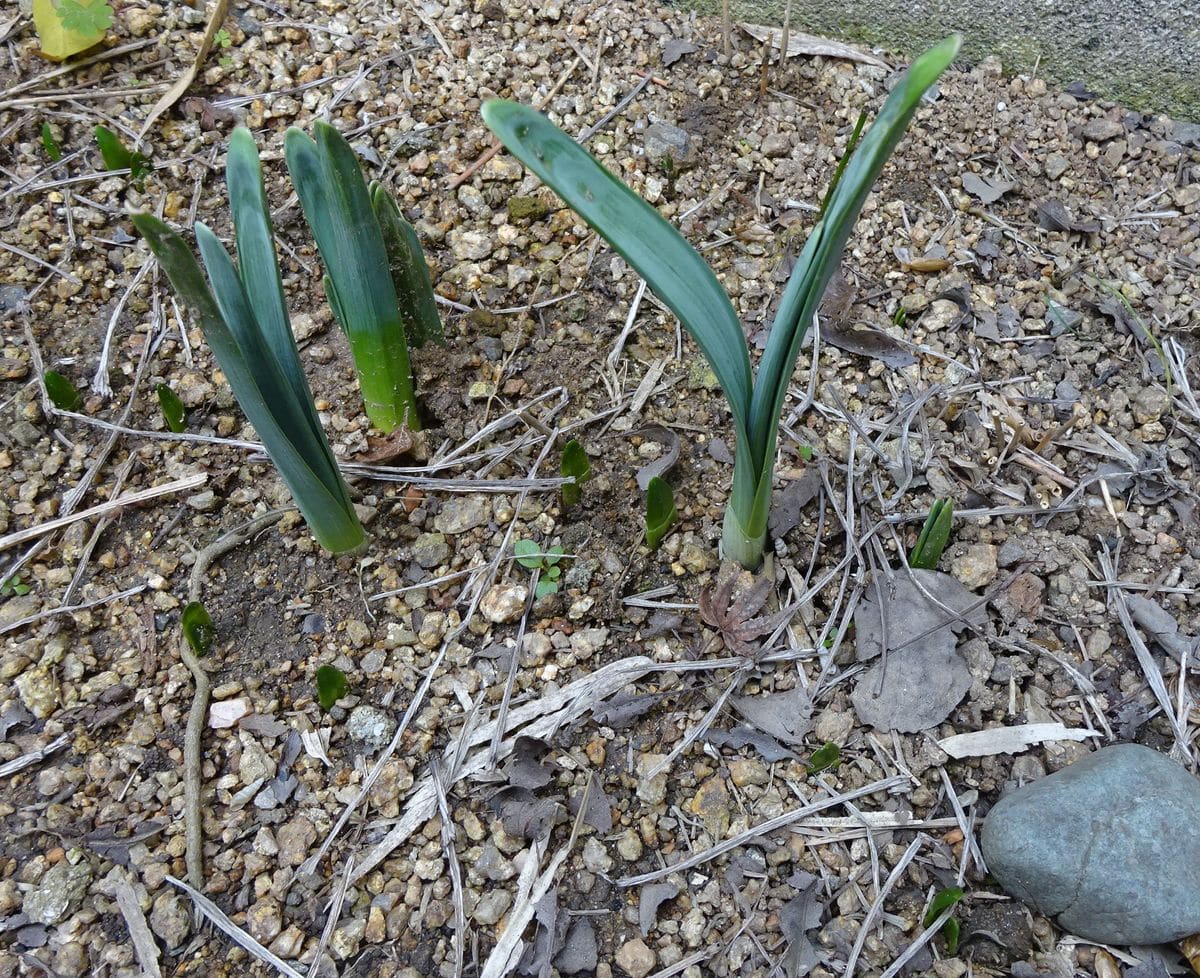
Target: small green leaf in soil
<point>50,144</point>
<point>198,628</point>
<point>824,757</point>
<point>660,511</point>
<point>172,408</point>
<point>331,686</point>
<point>62,392</point>
<point>576,465</point>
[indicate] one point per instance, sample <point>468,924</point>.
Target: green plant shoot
<point>62,392</point>
<point>575,465</point>
<point>172,408</point>
<point>530,555</point>
<point>942,901</point>
<point>934,536</point>
<point>245,321</point>
<point>687,286</point>
<point>331,686</point>
<point>826,756</point>
<point>116,156</point>
<point>14,587</point>
<point>198,628</point>
<point>346,216</point>
<point>50,144</point>
<point>660,511</point>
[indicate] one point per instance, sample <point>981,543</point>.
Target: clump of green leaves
<point>13,587</point>
<point>827,756</point>
<point>546,563</point>
<point>245,320</point>
<point>575,465</point>
<point>198,627</point>
<point>687,286</point>
<point>61,391</point>
<point>331,686</point>
<point>376,278</point>
<point>81,18</point>
<point>660,511</point>
<point>50,144</point>
<point>172,408</point>
<point>943,901</point>
<point>117,156</point>
<point>934,536</point>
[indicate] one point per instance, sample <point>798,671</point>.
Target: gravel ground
<point>1029,263</point>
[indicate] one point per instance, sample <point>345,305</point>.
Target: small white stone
<point>225,713</point>
<point>504,603</point>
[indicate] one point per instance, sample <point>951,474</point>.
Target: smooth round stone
<point>1109,845</point>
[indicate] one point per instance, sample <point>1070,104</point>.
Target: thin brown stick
<point>192,780</point>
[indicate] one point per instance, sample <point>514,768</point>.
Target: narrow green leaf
<point>660,511</point>
<point>841,167</point>
<point>575,465</point>
<point>528,554</point>
<point>652,246</point>
<point>198,628</point>
<point>331,686</point>
<point>951,931</point>
<point>943,900</point>
<point>934,536</point>
<point>172,408</point>
<point>817,262</point>
<point>824,757</point>
<point>50,144</point>
<point>116,157</point>
<point>410,273</point>
<point>337,205</point>
<point>62,392</point>
<point>263,393</point>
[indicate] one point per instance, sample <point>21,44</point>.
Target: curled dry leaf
<point>665,462</point>
<point>731,606</point>
<point>810,45</point>
<point>987,189</point>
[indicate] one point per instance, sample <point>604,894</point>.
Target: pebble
<point>1056,165</point>
<point>461,513</point>
<point>1098,130</point>
<point>295,838</point>
<point>653,791</point>
<point>223,714</point>
<point>976,566</point>
<point>371,727</point>
<point>255,765</point>
<point>492,906</point>
<point>595,857</point>
<point>629,846</point>
<point>430,550</point>
<point>38,690</point>
<point>663,141</point>
<point>1110,845</point>
<point>289,942</point>
<point>748,770</point>
<point>469,245</point>
<point>264,920</point>
<point>776,144</point>
<point>711,805</point>
<point>61,889</point>
<point>588,641</point>
<point>171,919</point>
<point>833,727</point>
<point>504,602</point>
<point>636,959</point>
<point>346,939</point>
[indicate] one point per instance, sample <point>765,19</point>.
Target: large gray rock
<point>1110,846</point>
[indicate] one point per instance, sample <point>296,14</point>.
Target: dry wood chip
<point>810,45</point>
<point>1009,740</point>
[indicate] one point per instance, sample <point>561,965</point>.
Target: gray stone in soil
<point>1110,846</point>
<point>60,890</point>
<point>371,727</point>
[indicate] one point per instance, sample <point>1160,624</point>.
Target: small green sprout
<point>14,587</point>
<point>62,392</point>
<point>935,534</point>
<point>660,511</point>
<point>827,756</point>
<point>530,555</point>
<point>575,464</point>
<point>50,144</point>
<point>172,408</point>
<point>80,18</point>
<point>943,901</point>
<point>900,316</point>
<point>117,156</point>
<point>222,39</point>
<point>806,452</point>
<point>198,628</point>
<point>331,686</point>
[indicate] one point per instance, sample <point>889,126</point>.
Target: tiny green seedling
<point>50,144</point>
<point>222,40</point>
<point>827,756</point>
<point>806,452</point>
<point>116,156</point>
<point>331,686</point>
<point>943,901</point>
<point>198,628</point>
<point>660,511</point>
<point>14,587</point>
<point>61,391</point>
<point>575,465</point>
<point>172,408</point>
<point>546,562</point>
<point>935,534</point>
<point>841,167</point>
<point>80,18</point>
<point>900,316</point>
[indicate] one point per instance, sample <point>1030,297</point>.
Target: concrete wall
<point>1142,53</point>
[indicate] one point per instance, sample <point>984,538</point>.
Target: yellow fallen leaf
<point>58,42</point>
